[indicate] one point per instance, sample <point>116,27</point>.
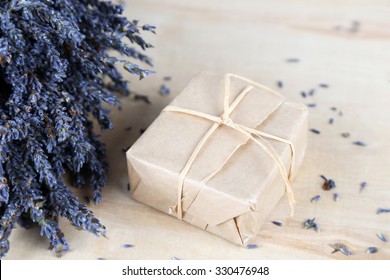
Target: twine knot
<point>226,121</point>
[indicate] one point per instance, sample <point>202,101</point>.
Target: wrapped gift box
<point>219,155</point>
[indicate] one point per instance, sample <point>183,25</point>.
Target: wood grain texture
<point>254,38</point>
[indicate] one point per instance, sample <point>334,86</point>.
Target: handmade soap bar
<point>220,156</point>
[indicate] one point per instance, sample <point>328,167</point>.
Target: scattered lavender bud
<point>345,251</point>
<point>333,108</point>
<point>310,223</point>
<point>323,85</point>
<point>150,28</point>
<point>323,177</point>
<point>331,121</point>
<point>277,223</point>
<point>128,128</point>
<point>383,210</point>
<point>345,134</point>
<point>312,92</point>
<point>252,246</point>
<point>128,186</point>
<point>126,246</point>
<point>101,259</point>
<point>360,143</point>
<point>336,197</point>
<point>331,184</point>
<point>328,184</point>
<point>316,131</point>
<point>363,186</point>
<point>303,94</point>
<point>142,130</point>
<point>340,247</point>
<point>174,258</point>
<point>311,105</point>
<point>315,198</point>
<point>382,237</point>
<point>167,78</point>
<point>372,250</point>
<point>164,90</point>
<point>280,84</point>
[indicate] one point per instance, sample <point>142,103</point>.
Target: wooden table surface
<point>345,44</point>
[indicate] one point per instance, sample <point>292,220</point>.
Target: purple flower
<point>55,77</point>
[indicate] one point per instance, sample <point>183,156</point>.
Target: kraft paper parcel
<point>232,185</point>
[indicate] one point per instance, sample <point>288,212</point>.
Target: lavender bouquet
<point>55,75</point>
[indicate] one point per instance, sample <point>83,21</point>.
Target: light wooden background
<point>254,38</point>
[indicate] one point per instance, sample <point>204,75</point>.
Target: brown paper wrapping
<point>235,202</point>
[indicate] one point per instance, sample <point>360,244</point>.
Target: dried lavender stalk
<point>55,75</point>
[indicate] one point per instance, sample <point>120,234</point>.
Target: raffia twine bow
<point>252,134</point>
